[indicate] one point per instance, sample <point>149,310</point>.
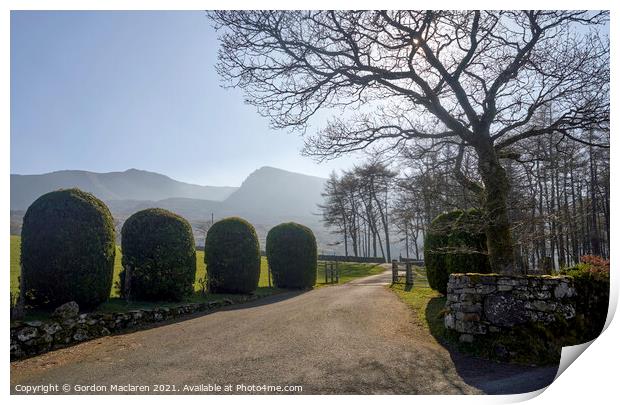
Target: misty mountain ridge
<point>277,192</point>
<point>131,184</point>
<point>267,197</point>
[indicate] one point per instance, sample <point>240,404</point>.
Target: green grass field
<point>348,271</point>
<point>426,303</point>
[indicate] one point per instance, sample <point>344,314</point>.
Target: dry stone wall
<point>67,326</point>
<point>478,304</point>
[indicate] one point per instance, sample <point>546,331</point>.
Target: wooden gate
<point>397,278</point>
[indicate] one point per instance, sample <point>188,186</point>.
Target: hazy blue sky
<point>108,91</point>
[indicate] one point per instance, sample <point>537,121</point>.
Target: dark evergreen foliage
<point>232,255</point>
<point>159,254</point>
<point>455,243</point>
<point>292,255</point>
<point>467,245</point>
<point>67,250</point>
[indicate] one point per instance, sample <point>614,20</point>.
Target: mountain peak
<point>264,169</point>
<point>277,193</point>
<point>270,170</point>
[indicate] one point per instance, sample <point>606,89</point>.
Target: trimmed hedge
<point>67,250</point>
<point>455,243</point>
<point>591,278</point>
<point>232,256</point>
<point>292,255</point>
<point>435,249</point>
<point>468,245</point>
<point>159,254</point>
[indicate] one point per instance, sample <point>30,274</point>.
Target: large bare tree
<point>474,79</point>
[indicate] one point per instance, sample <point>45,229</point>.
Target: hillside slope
<point>131,184</point>
<point>267,197</point>
<point>276,193</point>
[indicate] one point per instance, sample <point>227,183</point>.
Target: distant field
<point>348,271</point>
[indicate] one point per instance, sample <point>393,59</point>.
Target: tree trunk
<point>594,234</point>
<point>496,187</point>
<point>346,242</point>
<point>415,240</point>
<point>406,241</point>
<point>541,212</point>
<point>384,221</point>
<point>355,232</point>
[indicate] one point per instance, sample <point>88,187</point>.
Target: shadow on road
<point>488,376</point>
<point>271,299</point>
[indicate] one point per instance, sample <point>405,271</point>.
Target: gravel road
<point>357,338</point>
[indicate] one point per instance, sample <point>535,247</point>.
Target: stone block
<point>466,338</point>
<point>543,306</point>
<point>68,310</point>
<point>449,321</point>
<point>80,335</point>
<point>563,290</point>
<point>27,333</point>
<point>503,309</point>
<point>471,317</point>
<point>51,328</point>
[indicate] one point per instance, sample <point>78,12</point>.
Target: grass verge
<point>530,345</point>
<point>348,271</point>
<point>426,303</point>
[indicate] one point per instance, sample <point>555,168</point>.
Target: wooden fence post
<point>394,271</point>
<point>337,273</point>
<point>409,274</point>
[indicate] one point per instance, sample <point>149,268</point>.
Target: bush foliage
<point>455,243</point>
<point>67,250</point>
<point>292,255</point>
<point>435,248</point>
<point>232,255</point>
<point>467,245</point>
<point>159,255</point>
<point>591,278</point>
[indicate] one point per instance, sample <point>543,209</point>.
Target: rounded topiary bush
<point>292,255</point>
<point>159,256</point>
<point>467,245</point>
<point>436,249</point>
<point>67,250</point>
<point>232,255</point>
<point>455,243</point>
